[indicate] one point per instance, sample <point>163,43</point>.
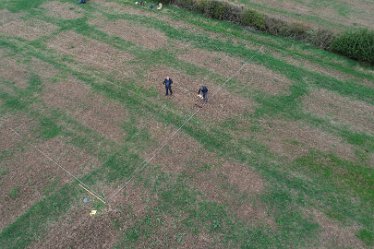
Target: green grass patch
<point>14,192</point>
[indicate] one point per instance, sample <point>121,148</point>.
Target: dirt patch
<point>62,10</point>
<point>180,153</point>
<point>92,53</point>
<point>139,35</point>
<point>356,114</point>
<point>112,7</point>
<point>19,123</point>
<point>29,30</point>
<point>44,70</point>
<point>255,214</point>
<point>295,139</point>
<point>334,235</point>
<point>31,174</point>
<point>221,105</point>
<point>15,72</point>
<point>172,234</point>
<point>217,185</point>
<point>7,16</point>
<point>92,110</point>
<point>78,229</point>
<point>215,181</point>
<point>253,75</point>
<point>245,179</point>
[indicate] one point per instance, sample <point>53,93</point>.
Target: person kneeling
<point>203,91</point>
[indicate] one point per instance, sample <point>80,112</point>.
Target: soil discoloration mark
<point>62,10</point>
<point>21,124</point>
<point>7,16</point>
<point>295,139</point>
<point>180,153</point>
<point>333,234</point>
<point>172,234</point>
<point>44,70</point>
<point>14,72</point>
<point>93,110</point>
<point>29,30</point>
<point>253,75</point>
<point>221,104</point>
<point>139,35</point>
<point>30,174</point>
<point>78,229</point>
<point>92,53</point>
<point>245,179</point>
<point>218,184</point>
<point>356,114</point>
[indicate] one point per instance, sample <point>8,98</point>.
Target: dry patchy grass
<point>92,110</point>
<point>295,139</point>
<point>356,114</point>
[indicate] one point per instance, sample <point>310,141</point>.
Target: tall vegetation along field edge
<point>356,44</point>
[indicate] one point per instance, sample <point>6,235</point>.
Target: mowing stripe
<point>146,162</point>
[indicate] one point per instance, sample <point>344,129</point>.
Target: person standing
<point>203,90</point>
<point>168,82</point>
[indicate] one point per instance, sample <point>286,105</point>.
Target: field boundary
<point>319,37</point>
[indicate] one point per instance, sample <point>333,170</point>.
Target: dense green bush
<point>254,19</point>
<point>357,45</point>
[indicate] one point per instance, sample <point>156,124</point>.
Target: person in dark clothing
<point>82,1</point>
<point>168,82</point>
<point>203,90</point>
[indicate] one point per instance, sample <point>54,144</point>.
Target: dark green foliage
<point>366,236</point>
<point>14,192</point>
<point>358,45</point>
<point>22,5</point>
<point>49,129</point>
<point>254,19</point>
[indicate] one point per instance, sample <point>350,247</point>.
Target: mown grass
<point>331,178</point>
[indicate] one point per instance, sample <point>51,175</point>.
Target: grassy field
<point>281,157</point>
<point>335,14</point>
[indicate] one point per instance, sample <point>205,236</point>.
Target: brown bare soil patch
<point>245,179</point>
<point>216,182</point>
<point>333,234</point>
<point>29,30</point>
<point>133,197</point>
<point>113,7</point>
<point>92,53</point>
<point>78,229</point>
<point>253,75</point>
<point>15,72</point>
<point>139,35</point>
<point>31,173</point>
<point>294,139</point>
<point>255,214</point>
<point>180,153</point>
<point>356,114</point>
<point>7,16</point>
<point>20,124</point>
<point>43,69</point>
<point>92,110</point>
<point>62,10</point>
<point>172,234</point>
<point>221,105</point>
